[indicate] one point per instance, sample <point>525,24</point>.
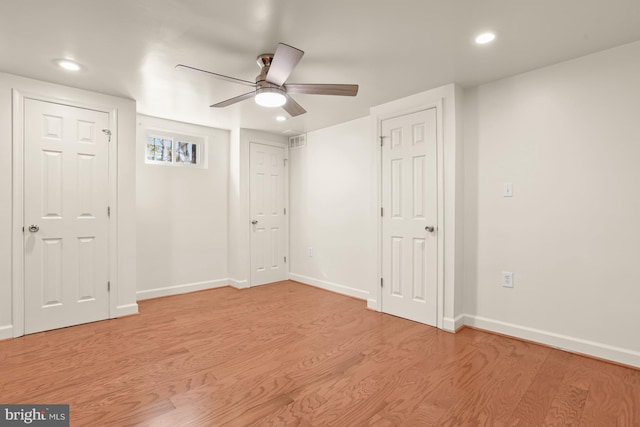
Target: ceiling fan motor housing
<point>264,62</point>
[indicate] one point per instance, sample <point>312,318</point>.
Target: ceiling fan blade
<point>292,107</point>
<point>234,100</point>
<point>219,76</point>
<point>322,89</point>
<point>284,61</point>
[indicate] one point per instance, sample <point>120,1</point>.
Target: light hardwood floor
<point>290,354</point>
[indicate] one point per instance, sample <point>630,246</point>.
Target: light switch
<point>507,279</point>
<point>507,189</point>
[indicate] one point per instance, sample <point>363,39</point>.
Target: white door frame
<point>286,203</point>
<point>17,244</point>
<point>440,199</point>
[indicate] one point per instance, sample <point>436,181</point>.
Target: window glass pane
<point>159,149</point>
<point>186,152</point>
<point>151,148</point>
<point>166,153</point>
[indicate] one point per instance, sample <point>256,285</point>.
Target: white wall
<point>125,282</point>
<point>181,214</point>
<point>333,209</point>
<point>568,138</point>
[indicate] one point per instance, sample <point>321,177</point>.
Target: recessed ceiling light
<point>281,118</point>
<point>485,38</point>
<point>68,65</point>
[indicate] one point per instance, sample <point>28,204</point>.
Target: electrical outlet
<point>507,279</point>
<point>310,252</point>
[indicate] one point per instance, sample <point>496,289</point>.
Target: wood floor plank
<point>535,403</point>
<point>603,383</point>
<point>629,409</point>
<point>567,406</point>
<point>493,387</point>
<point>290,354</point>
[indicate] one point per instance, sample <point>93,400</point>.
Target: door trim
<point>437,104</point>
<point>17,244</point>
<point>287,238</point>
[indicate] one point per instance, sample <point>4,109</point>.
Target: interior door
<point>409,220</point>
<point>268,244</point>
<point>65,215</point>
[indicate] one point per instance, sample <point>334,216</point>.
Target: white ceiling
<point>390,48</point>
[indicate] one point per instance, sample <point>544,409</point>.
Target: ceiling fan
<point>270,90</point>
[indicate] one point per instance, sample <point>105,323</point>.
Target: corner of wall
<point>459,286</point>
<point>453,324</point>
<point>469,137</point>
<point>126,310</point>
<point>6,332</point>
<point>238,284</point>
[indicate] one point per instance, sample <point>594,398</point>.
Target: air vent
<point>297,141</point>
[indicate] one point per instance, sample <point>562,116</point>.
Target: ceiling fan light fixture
<point>270,97</point>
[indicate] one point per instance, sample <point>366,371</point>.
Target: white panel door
<point>267,214</point>
<point>65,216</point>
<point>409,201</point>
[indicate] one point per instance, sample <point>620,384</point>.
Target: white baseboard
<point>238,284</point>
<point>126,310</point>
<point>372,305</point>
<point>180,289</point>
<point>341,289</point>
<point>563,342</point>
<point>6,331</point>
<point>451,325</point>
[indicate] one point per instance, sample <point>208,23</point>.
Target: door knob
<point>254,222</point>
<point>34,228</point>
<point>430,228</point>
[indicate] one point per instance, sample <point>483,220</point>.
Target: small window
<point>171,149</point>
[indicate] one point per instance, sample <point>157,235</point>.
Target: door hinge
<point>284,162</point>
<point>285,260</point>
<point>23,229</point>
<point>381,211</point>
<point>285,211</point>
<point>108,133</point>
<point>109,286</point>
<point>381,282</point>
<point>108,211</point>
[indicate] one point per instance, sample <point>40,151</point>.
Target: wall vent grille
<point>297,141</point>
